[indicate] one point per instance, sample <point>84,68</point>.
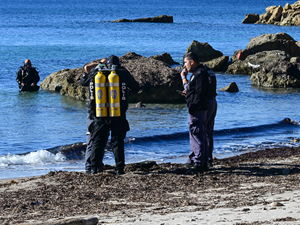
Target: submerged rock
<point>156,19</point>
<point>232,87</point>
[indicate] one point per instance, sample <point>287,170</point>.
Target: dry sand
<point>254,188</point>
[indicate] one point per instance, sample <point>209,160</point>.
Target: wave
<point>76,151</point>
<point>32,158</point>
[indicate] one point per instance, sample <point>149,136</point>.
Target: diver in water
<point>28,77</point>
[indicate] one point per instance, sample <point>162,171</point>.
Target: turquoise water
<point>67,34</point>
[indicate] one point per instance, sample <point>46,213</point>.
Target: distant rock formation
<point>157,19</point>
<point>277,15</point>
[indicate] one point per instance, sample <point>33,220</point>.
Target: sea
<point>66,34</point>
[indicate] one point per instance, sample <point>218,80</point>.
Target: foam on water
<point>40,157</point>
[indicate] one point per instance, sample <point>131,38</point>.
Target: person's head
<point>27,63</point>
<point>113,60</point>
<point>191,61</point>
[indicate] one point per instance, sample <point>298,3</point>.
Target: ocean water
<point>67,34</point>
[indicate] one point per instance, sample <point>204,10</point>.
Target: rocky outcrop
<point>218,64</point>
<point>269,42</point>
<point>251,18</point>
<point>232,87</point>
<point>277,74</point>
<point>157,19</point>
<point>158,81</point>
<point>262,50</point>
<point>204,51</point>
<point>289,15</point>
<point>165,57</point>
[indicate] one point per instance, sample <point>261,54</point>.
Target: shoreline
<point>259,187</point>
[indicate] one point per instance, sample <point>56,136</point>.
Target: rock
<point>262,50</point>
<point>218,64</point>
<point>157,19</point>
<point>232,87</point>
<point>158,81</point>
<point>295,59</point>
<point>137,105</point>
<point>269,42</point>
<point>251,18</point>
<point>276,204</point>
<point>204,51</point>
<point>239,67</point>
<point>277,74</point>
<point>276,15</point>
<point>259,59</point>
<point>284,16</point>
<point>165,57</point>
<point>66,221</point>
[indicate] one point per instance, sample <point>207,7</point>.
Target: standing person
<point>211,113</point>
<point>28,77</point>
<point>101,127</point>
<point>196,97</point>
<point>87,68</point>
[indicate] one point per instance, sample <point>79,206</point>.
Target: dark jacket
<point>197,94</point>
<point>126,82</point>
<point>212,92</point>
<point>27,76</point>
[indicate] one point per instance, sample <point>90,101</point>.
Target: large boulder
<point>259,59</point>
<point>156,19</point>
<point>158,81</point>
<point>240,67</point>
<point>263,49</point>
<point>269,42</point>
<point>204,51</point>
<point>277,74</point>
<point>218,64</point>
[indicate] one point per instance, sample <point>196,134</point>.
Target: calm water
<point>67,34</point>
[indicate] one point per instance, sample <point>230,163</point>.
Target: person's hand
<point>184,72</point>
<point>32,84</point>
<point>22,84</point>
<point>183,93</point>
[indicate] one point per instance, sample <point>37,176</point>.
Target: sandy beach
<point>259,187</point>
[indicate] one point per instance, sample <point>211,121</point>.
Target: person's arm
<point>19,76</point>
<point>87,68</point>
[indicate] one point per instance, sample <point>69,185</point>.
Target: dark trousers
<point>198,139</point>
<point>211,114</point>
<point>100,130</point>
<point>89,144</point>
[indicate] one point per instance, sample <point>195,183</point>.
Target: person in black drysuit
<point>102,126</point>
<point>196,91</point>
<point>89,143</point>
<point>211,113</point>
<point>28,77</point>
